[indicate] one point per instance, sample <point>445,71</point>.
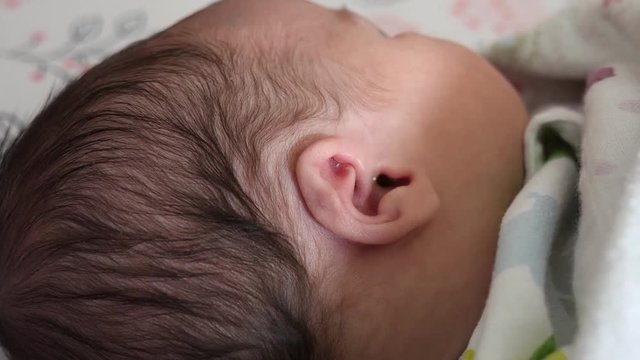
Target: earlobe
<point>352,193</point>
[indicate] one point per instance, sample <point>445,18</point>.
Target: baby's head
<point>264,180</point>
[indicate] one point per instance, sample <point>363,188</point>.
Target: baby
<point>263,180</point>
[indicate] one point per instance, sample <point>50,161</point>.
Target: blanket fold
<point>567,275</point>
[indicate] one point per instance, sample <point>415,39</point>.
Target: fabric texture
<point>571,284</point>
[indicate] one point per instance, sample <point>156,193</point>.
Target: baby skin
<point>393,198</point>
<point>411,262</point>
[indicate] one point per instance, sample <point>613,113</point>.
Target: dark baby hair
<point>126,227</point>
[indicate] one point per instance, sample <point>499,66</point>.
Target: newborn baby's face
<point>411,275</point>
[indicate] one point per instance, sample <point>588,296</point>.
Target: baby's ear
<point>358,195</point>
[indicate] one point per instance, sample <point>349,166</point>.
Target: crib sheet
<point>44,44</point>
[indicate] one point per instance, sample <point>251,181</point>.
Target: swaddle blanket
<point>566,283</point>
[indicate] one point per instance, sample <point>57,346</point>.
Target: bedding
<point>565,284</point>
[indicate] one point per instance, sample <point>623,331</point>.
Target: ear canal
<point>386,182</point>
<point>382,184</point>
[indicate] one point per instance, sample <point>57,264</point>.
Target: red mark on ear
<point>339,169</point>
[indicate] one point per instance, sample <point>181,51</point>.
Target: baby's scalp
<point>125,206</point>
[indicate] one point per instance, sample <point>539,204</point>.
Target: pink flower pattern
<point>498,16</point>
<point>631,106</point>
<point>11,4</point>
<point>608,3</point>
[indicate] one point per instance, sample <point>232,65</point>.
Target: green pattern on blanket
<point>546,349</point>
